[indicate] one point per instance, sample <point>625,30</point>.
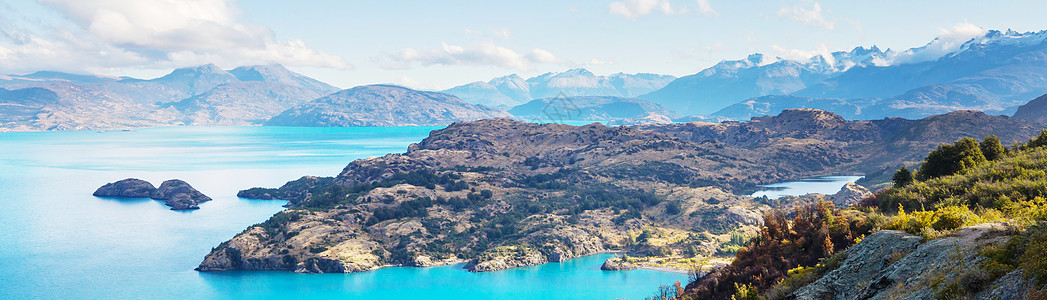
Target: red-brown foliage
<point>817,231</point>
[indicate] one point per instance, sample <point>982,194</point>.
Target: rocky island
<point>176,193</point>
<point>501,193</point>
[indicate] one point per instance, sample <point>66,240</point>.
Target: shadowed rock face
<point>181,202</point>
<point>1035,110</point>
<point>131,187</point>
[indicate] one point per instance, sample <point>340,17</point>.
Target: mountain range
<point>994,72</point>
<point>512,90</point>
<point>207,95</point>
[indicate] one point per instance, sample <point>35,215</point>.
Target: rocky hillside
<point>971,223</point>
<point>383,105</point>
<point>1035,110</point>
<point>501,193</point>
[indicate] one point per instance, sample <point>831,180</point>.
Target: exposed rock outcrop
<point>850,194</point>
<point>617,264</point>
<point>507,257</point>
<point>130,187</point>
<point>892,265</point>
<point>179,195</point>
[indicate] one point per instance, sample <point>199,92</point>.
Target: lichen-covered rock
<point>617,264</point>
<point>849,195</point>
<point>130,187</point>
<point>744,216</point>
<point>864,261</point>
<point>894,265</point>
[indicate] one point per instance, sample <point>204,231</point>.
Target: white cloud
<point>485,54</point>
<point>948,41</point>
<point>804,55</point>
<point>113,34</point>
<point>812,16</point>
<point>707,9</point>
<point>634,9</point>
<point>600,62</point>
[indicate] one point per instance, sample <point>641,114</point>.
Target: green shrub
<point>951,159</point>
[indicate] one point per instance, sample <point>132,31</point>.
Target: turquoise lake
<point>58,241</point>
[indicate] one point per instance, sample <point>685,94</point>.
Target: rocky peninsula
<point>502,193</point>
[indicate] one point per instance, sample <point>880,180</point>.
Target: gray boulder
<point>849,195</point>
<point>131,187</point>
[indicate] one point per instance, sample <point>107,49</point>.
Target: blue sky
<point>440,44</point>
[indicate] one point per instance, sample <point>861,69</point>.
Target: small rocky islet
<point>177,194</point>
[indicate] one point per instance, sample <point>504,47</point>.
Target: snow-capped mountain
<point>995,72</point>
<point>513,90</point>
<point>729,82</point>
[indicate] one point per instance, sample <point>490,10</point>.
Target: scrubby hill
<point>502,193</point>
<point>969,224</point>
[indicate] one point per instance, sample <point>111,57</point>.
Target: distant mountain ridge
<point>200,95</point>
<point>383,105</point>
<point>512,90</point>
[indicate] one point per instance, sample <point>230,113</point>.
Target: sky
<point>436,45</point>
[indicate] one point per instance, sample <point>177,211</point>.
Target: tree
<point>903,177</point>
<point>951,159</point>
<point>992,148</point>
<point>1039,141</point>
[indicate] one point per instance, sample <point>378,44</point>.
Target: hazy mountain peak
<point>279,74</point>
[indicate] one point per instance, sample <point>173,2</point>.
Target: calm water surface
<point>58,241</point>
<point>825,185</point>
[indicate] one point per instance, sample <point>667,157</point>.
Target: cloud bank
<point>111,34</point>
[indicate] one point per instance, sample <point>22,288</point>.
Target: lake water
<point>58,241</point>
<point>825,185</point>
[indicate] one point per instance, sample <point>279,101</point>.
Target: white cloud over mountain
<point>483,54</point>
<point>148,33</point>
<point>948,40</point>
